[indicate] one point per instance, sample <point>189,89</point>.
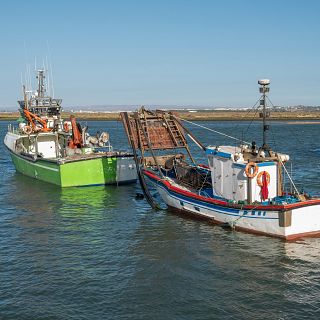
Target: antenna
<point>51,79</point>
<point>48,78</point>
<point>26,79</point>
<point>29,76</point>
<point>50,66</point>
<point>264,89</point>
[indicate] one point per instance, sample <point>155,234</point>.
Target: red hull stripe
<point>285,207</point>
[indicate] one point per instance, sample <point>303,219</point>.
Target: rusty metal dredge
<point>153,132</point>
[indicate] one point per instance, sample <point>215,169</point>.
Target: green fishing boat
<point>48,148</point>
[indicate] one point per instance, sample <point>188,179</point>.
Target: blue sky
<point>169,52</point>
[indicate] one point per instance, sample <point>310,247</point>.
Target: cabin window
<point>181,203</point>
<point>197,208</point>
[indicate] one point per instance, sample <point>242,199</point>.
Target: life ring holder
<point>259,178</point>
<point>249,166</point>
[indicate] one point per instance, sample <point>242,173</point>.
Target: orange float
<point>248,170</point>
<point>259,178</point>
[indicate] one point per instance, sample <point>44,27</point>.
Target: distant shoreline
<point>307,117</point>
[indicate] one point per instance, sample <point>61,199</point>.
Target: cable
<point>215,131</point>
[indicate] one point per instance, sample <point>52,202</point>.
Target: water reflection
<point>31,195</point>
<point>175,256</point>
<point>305,250</point>
<point>92,201</point>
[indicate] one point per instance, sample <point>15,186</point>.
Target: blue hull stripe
<point>210,206</point>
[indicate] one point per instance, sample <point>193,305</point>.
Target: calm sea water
<point>98,253</point>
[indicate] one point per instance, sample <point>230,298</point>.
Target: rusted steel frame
<point>169,129</point>
<point>146,131</point>
<point>149,146</point>
<point>185,142</point>
<point>146,118</point>
<point>126,121</point>
<point>139,139</point>
<point>128,129</point>
<point>179,125</point>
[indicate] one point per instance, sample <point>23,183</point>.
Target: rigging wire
<point>274,140</point>
<point>51,71</point>
<point>289,129</point>
<point>272,132</point>
<point>224,134</point>
<point>250,109</point>
<point>292,183</point>
<point>234,138</point>
<point>212,130</point>
<point>256,110</point>
<point>285,169</point>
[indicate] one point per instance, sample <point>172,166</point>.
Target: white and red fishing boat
<point>241,186</point>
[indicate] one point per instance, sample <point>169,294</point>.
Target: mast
<point>264,89</point>
<point>41,86</point>
<point>25,98</point>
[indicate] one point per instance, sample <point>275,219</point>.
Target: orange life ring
<point>27,129</point>
<point>248,171</point>
<point>259,180</point>
<point>66,127</point>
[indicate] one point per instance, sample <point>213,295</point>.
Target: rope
<point>285,169</point>
<point>212,130</point>
<point>204,181</point>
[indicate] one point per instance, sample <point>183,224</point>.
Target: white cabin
<point>229,180</point>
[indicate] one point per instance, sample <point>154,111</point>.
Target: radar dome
<point>264,82</point>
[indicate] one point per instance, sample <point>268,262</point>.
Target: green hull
<point>97,171</point>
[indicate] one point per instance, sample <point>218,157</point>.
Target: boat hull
<point>287,223</point>
<point>102,170</point>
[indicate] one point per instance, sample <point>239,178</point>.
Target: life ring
<point>248,171</point>
<point>27,129</point>
<point>259,178</point>
<point>66,127</point>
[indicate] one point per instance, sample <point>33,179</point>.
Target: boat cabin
<point>240,177</point>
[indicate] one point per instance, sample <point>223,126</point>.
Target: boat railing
<point>12,129</point>
<point>105,148</point>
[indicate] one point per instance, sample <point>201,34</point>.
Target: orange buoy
<point>259,178</point>
<point>251,169</point>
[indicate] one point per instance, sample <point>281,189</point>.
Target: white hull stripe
<point>44,167</point>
